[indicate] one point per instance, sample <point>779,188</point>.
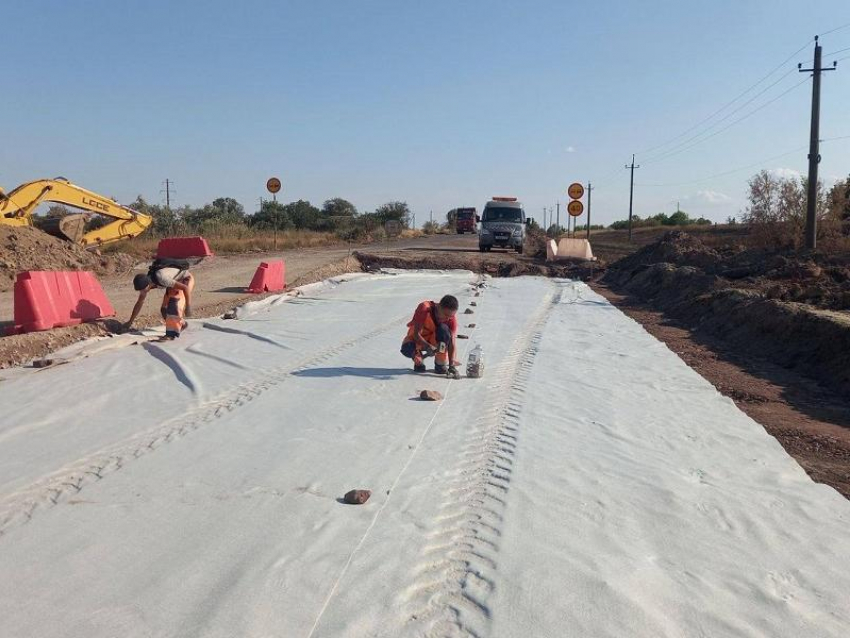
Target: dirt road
<point>222,279</point>
<point>221,283</point>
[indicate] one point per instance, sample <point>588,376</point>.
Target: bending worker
<point>432,332</point>
<point>174,276</point>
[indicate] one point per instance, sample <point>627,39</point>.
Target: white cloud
<point>786,173</point>
<point>712,197</point>
<point>571,149</point>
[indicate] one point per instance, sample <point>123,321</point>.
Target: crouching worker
<point>174,276</point>
<point>432,332</point>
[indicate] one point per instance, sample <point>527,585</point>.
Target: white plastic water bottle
<point>475,363</point>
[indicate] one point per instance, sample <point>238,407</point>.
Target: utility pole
<point>814,146</point>
<point>589,190</point>
<point>167,190</point>
<point>544,219</point>
<point>631,192</point>
<point>558,222</point>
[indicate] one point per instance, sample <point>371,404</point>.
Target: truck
<point>503,225</point>
<point>465,220</point>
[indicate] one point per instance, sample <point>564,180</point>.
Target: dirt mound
<point>675,247</point>
<point>497,265</point>
<point>31,249</point>
<point>813,278</point>
<point>750,299</point>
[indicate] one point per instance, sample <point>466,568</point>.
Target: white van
<point>503,224</point>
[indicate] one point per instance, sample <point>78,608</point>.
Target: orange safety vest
<point>174,305</point>
<point>429,328</point>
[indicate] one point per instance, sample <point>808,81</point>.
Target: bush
<point>431,228</point>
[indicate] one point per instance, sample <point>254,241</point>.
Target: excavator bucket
<point>68,227</point>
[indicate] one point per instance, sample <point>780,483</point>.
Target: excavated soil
<point>31,249</point>
<point>495,264</point>
<point>737,318</point>
<point>750,299</point>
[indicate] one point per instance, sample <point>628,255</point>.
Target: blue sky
<point>441,104</point>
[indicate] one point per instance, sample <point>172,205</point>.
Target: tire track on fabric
<point>19,507</point>
<point>455,577</point>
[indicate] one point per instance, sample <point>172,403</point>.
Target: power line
<point>761,162</point>
<point>843,26</point>
<point>684,146</point>
<point>834,52</point>
<point>728,126</point>
<point>734,170</point>
<point>723,119</point>
<point>730,103</point>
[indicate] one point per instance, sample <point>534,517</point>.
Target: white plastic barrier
<point>569,248</point>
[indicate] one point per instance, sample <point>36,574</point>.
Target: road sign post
<point>575,207</point>
<point>273,186</point>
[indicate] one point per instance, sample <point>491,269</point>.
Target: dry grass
<point>240,239</point>
<point>246,242</point>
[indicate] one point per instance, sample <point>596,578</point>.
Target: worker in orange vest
<point>432,332</point>
<point>174,276</point>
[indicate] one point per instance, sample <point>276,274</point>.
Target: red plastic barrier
<point>52,299</point>
<point>182,247</point>
<point>270,277</point>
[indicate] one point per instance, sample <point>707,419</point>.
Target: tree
<point>303,214</point>
<point>431,228</point>
<point>57,210</point>
<point>777,208</point>
<point>164,219</point>
<point>839,201</point>
<point>339,207</point>
<point>271,216</point>
<point>679,218</point>
<point>394,211</point>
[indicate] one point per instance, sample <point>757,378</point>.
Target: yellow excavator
<point>17,208</point>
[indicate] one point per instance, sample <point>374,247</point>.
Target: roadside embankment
<point>789,309</point>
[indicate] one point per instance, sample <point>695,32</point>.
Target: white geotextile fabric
<point>590,484</point>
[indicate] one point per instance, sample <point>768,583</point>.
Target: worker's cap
<point>140,282</point>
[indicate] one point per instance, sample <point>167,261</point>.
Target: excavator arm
<point>17,209</point>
